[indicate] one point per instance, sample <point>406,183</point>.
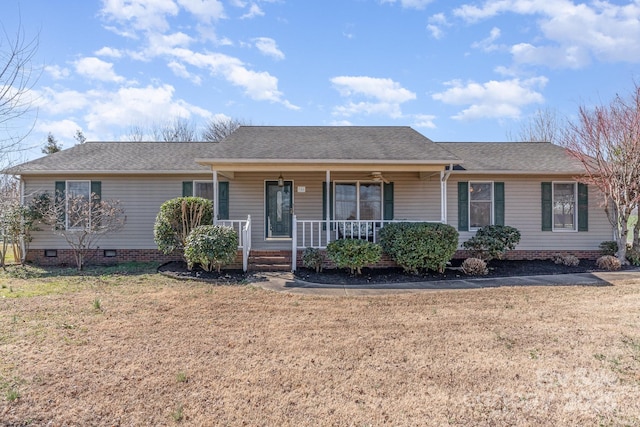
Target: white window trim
<point>492,209</point>
<point>575,207</point>
<point>66,204</point>
<point>358,182</point>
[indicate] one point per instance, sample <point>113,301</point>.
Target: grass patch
<point>500,356</point>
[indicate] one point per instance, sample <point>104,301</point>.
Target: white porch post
<point>328,205</point>
<point>215,197</point>
<point>444,177</point>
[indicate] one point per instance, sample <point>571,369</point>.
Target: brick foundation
<point>65,257</point>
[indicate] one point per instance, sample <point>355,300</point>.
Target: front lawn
<point>132,347</point>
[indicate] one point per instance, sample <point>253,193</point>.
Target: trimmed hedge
<point>353,253</point>
<point>419,246</point>
<point>211,246</point>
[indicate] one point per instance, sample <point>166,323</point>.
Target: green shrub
<point>176,219</point>
<point>211,246</point>
<point>492,241</point>
<point>313,258</point>
<point>419,245</point>
<point>633,256</point>
<point>353,253</point>
<point>608,247</point>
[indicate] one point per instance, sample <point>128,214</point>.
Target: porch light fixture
<point>280,181</point>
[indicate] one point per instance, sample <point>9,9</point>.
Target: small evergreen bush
<point>313,258</point>
<point>608,262</point>
<point>419,246</point>
<point>633,256</point>
<point>474,267</point>
<point>492,241</point>
<point>608,247</point>
<point>211,246</point>
<point>353,253</point>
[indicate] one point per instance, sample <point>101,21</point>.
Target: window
<point>358,201</point>
<point>203,189</point>
<point>480,204</point>
<point>564,206</point>
<point>77,204</point>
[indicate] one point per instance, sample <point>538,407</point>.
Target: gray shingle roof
<point>330,143</point>
<point>278,144</point>
<point>120,157</point>
<point>513,157</point>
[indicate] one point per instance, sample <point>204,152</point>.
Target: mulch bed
<point>497,268</point>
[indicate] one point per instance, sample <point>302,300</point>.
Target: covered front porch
<point>284,209</point>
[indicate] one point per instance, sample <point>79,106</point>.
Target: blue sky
<point>454,70</point>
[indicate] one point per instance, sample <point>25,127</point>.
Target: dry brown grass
<point>163,352</point>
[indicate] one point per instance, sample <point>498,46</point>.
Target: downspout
<point>444,177</point>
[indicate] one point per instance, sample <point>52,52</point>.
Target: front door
<point>279,209</point>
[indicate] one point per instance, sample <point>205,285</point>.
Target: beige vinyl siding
<point>140,197</point>
<point>523,210</point>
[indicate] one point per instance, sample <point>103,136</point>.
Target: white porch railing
<point>243,229</point>
<point>313,233</point>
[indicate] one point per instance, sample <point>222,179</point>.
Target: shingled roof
<point>513,157</point>
<point>279,145</point>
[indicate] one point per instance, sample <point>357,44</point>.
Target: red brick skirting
<point>99,256</point>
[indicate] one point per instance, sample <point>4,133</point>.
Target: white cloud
<point>61,101</point>
<point>204,10</point>
<point>56,72</point>
<point>493,99</point>
<point>97,69</point>
<point>181,71</point>
<point>487,44</point>
<point>410,4</point>
<point>574,33</point>
<point>387,96</point>
<point>109,51</point>
<point>254,10</point>
<point>144,15</point>
<point>62,130</point>
<point>424,121</point>
<point>267,46</point>
<point>436,22</point>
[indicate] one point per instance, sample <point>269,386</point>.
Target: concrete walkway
<point>286,282</point>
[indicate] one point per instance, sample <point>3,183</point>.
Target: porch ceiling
<point>288,165</point>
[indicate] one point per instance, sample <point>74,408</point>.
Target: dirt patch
<point>144,349</point>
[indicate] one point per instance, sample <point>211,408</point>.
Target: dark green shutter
<point>387,211</point>
<point>583,207</point>
<point>463,206</point>
<point>58,199</point>
<point>547,206</point>
<point>187,188</point>
<point>223,200</point>
<point>96,188</point>
<point>324,202</point>
<point>498,203</point>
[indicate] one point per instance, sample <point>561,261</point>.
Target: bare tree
<point>177,129</point>
<point>16,81</point>
<point>82,222</point>
<point>217,129</point>
<point>543,126</point>
<point>606,140</point>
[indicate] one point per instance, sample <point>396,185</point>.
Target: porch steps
<point>269,261</point>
